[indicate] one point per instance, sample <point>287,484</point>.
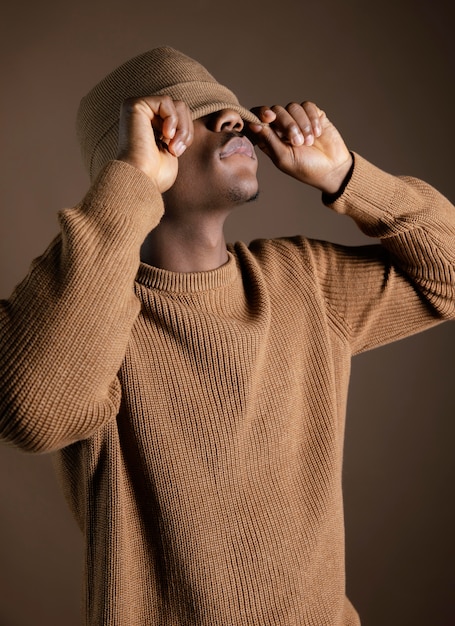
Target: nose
<point>227,120</point>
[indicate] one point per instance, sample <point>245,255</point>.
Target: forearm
<point>65,329</point>
<point>413,221</point>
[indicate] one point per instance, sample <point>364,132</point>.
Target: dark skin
<point>206,168</point>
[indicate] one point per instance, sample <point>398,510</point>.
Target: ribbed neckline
<point>191,282</point>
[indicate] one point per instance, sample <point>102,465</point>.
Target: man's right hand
<point>154,131</point>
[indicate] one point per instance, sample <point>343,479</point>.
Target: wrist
<point>334,188</point>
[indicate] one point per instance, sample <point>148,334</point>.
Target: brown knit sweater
<point>199,418</point>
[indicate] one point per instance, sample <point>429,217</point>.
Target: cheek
<point>195,165</point>
<point>185,167</point>
<point>190,179</point>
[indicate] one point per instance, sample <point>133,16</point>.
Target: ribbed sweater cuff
<point>368,197</point>
<point>122,192</point>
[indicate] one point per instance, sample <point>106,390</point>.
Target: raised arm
<point>380,293</point>
<point>65,328</point>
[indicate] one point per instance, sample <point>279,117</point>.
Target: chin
<point>243,194</point>
<point>254,196</point>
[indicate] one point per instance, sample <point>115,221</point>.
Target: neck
<point>186,246</point>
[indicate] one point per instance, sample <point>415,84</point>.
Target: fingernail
<point>179,148</point>
<point>256,128</point>
<point>309,140</point>
<point>297,139</point>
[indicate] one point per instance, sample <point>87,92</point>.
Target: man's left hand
<point>302,142</point>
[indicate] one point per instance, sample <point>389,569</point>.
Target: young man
<point>195,393</point>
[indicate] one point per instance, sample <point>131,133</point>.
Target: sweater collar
<point>191,282</point>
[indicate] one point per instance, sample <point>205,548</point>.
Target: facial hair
<point>238,196</point>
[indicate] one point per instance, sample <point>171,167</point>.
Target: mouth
<point>238,145</point>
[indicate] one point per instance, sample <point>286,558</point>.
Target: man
<point>195,392</point>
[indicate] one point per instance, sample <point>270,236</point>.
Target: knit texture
<point>198,418</point>
<point>156,72</point>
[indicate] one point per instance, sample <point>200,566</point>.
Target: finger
<point>288,129</point>
<point>314,115</point>
<point>303,121</point>
<point>184,130</point>
<point>136,116</point>
<point>162,114</point>
<point>267,139</point>
<point>298,124</point>
<point>307,118</point>
<point>264,113</point>
<point>171,122</point>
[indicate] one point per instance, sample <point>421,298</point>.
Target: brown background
<point>384,72</point>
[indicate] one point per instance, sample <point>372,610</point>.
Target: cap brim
<point>204,98</point>
<point>213,107</point>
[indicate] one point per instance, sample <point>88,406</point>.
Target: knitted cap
<point>159,71</point>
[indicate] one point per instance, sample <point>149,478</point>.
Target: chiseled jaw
<point>238,145</point>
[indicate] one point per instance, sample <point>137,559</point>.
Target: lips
<point>238,145</point>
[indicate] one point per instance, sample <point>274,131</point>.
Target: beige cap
<point>159,71</point>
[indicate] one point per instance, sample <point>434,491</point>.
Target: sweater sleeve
<point>381,293</point>
<point>65,328</point>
